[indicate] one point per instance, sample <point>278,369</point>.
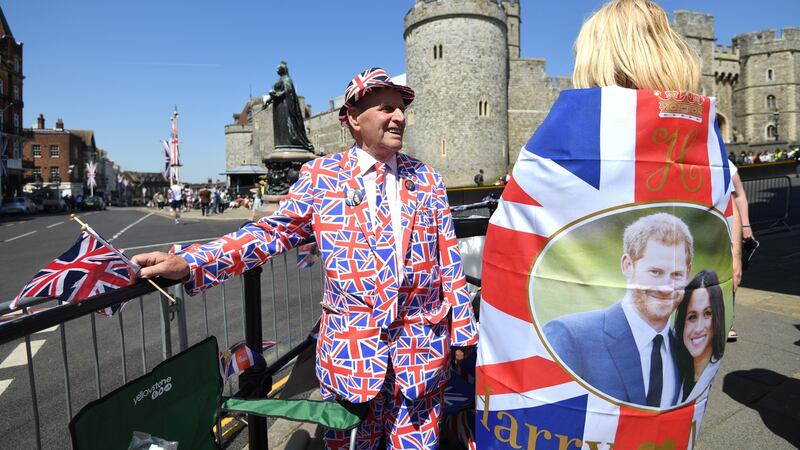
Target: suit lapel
<point>622,347</point>
<point>350,179</point>
<point>409,196</point>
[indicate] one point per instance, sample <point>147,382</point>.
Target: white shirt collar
<point>643,333</point>
<point>366,162</point>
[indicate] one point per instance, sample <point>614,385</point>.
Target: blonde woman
<point>634,139</point>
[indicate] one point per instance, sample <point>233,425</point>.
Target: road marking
<point>129,227</point>
<point>4,385</point>
<point>47,330</point>
<point>18,357</point>
<point>55,224</point>
<point>20,236</point>
<point>169,243</point>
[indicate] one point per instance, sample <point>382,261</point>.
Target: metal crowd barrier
<point>769,201</point>
<point>125,346</point>
<point>285,291</point>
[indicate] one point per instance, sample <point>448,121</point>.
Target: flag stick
<point>84,226</point>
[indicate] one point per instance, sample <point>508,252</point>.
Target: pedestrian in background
<point>479,178</point>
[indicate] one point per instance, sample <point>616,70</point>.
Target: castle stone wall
<point>530,96</point>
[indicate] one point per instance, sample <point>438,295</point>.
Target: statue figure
<point>287,118</point>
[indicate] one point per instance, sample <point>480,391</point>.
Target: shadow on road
<point>774,396</point>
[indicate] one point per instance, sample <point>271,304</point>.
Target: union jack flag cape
<point>91,267</point>
<point>602,158</point>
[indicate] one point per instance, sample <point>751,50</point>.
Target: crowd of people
<point>209,200</point>
<point>767,156</point>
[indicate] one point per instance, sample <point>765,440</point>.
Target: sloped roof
<point>86,135</point>
<point>5,29</point>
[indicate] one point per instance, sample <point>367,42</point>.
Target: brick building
<point>59,158</point>
<point>12,136</point>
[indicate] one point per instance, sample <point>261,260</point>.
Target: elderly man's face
<point>379,121</point>
<point>656,281</point>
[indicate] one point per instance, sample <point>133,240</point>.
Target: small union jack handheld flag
<point>239,358</point>
<point>91,267</point>
<point>307,255</point>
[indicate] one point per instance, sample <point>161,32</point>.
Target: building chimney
<point>40,122</point>
<point>60,124</point>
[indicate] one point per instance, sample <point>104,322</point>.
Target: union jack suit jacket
<point>430,298</point>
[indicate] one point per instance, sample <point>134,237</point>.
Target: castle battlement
<point>726,50</point>
<point>768,41</point>
<point>693,24</point>
<point>426,10</point>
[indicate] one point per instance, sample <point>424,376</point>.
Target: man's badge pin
<point>354,197</point>
<point>410,185</point>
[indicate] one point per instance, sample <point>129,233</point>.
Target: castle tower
<point>512,24</point>
<point>698,30</point>
<point>767,100</point>
<point>457,62</point>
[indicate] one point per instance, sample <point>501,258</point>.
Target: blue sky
<point>119,67</point>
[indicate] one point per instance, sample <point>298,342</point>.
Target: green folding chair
<point>181,399</point>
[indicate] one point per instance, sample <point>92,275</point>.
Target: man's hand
<point>160,264</point>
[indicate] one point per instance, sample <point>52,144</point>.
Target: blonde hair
<point>629,43</point>
<point>660,227</point>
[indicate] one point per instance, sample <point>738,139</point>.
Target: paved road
<point>26,244</point>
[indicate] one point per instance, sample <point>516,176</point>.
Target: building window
<point>17,150</point>
<point>37,151</point>
<point>483,108</point>
<point>772,105</point>
<point>770,75</point>
<point>443,147</point>
<point>16,65</point>
<point>2,91</point>
<point>37,173</point>
<point>54,151</point>
<point>16,123</point>
<point>16,92</point>
<point>772,132</point>
<point>53,173</point>
<point>437,52</point>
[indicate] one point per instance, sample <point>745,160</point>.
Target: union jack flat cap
<point>365,82</point>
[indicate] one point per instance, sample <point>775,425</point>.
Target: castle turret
<point>766,98</point>
<point>512,24</point>
<point>698,30</point>
<point>457,62</point>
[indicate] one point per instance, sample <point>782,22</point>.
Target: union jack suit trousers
<point>427,304</point>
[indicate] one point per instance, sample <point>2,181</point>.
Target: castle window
<point>770,75</point>
<point>771,103</point>
<point>37,151</point>
<point>54,153</point>
<point>443,147</point>
<point>37,173</point>
<point>483,108</point>
<point>54,173</point>
<point>772,132</point>
<point>437,51</point>
<point>343,135</point>
<point>16,122</point>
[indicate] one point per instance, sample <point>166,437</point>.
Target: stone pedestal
<point>283,168</point>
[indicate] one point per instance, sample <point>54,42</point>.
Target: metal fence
<point>92,355</point>
<point>769,201</point>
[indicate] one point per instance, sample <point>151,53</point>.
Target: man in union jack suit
<point>394,300</point>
